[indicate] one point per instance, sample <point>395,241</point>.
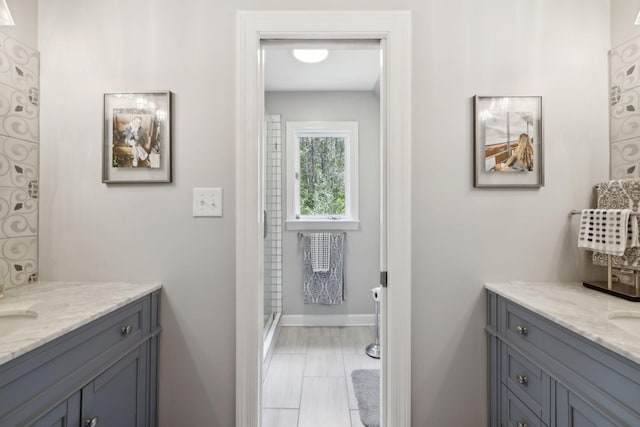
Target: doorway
<point>393,31</point>
<point>322,204</point>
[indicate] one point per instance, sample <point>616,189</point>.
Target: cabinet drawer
<point>515,413</point>
<point>520,328</point>
<point>598,373</point>
<point>118,330</point>
<point>527,381</point>
<point>29,383</point>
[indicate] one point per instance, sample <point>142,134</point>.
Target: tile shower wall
<point>19,169</point>
<point>273,206</point>
<point>624,108</point>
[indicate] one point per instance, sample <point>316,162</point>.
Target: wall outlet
<point>207,202</point>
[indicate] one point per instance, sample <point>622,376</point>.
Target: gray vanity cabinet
<point>117,397</point>
<point>65,414</point>
<point>572,411</point>
<point>100,375</point>
<point>544,375</point>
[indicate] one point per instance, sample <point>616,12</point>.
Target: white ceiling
<point>344,69</point>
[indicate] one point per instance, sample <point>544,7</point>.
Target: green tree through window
<point>322,175</point>
<point>322,188</point>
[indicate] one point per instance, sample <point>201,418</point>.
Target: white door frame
<point>394,29</point>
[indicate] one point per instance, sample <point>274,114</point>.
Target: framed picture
<point>508,141</point>
<point>137,138</point>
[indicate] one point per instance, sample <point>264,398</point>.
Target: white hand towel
<point>320,251</point>
<point>604,230</point>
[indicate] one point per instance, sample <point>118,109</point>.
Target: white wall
<point>623,16</point>
<point>461,48</point>
<point>361,246</point>
<point>25,16</point>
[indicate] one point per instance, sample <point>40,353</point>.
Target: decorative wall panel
<point>18,162</point>
<point>625,159</point>
<point>624,115</point>
<point>19,65</point>
<point>18,114</point>
<point>19,170</point>
<point>18,213</point>
<point>19,260</point>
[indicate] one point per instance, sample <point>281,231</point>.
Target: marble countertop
<point>584,311</point>
<point>60,307</point>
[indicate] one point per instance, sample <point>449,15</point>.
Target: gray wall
<point>623,15</point>
<point>361,246</point>
<point>460,48</point>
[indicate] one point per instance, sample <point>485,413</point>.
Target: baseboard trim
<point>328,319</point>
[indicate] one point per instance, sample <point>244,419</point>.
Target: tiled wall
<point>624,107</point>
<point>19,169</point>
<point>273,206</point>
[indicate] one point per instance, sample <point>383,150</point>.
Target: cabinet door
<point>118,396</point>
<point>66,414</point>
<point>571,411</point>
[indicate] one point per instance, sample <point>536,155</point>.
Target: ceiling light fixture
<point>311,56</point>
<point>5,15</point>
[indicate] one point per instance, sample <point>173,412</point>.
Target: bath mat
<point>366,385</point>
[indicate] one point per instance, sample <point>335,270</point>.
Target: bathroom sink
<point>11,322</point>
<point>628,321</point>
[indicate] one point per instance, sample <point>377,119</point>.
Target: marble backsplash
<point>19,163</point>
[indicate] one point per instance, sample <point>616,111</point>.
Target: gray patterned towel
<point>620,194</point>
<point>324,287</point>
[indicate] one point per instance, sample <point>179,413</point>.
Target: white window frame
<point>349,131</point>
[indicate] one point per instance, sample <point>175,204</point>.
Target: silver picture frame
<point>137,146</point>
<point>508,142</point>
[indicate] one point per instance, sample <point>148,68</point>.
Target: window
<point>322,175</point>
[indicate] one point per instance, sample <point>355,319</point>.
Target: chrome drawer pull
<point>522,379</point>
<point>93,422</point>
<point>522,424</point>
<point>126,330</point>
<point>522,330</point>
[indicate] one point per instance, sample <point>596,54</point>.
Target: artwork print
<point>135,139</point>
<point>508,142</point>
<point>136,147</point>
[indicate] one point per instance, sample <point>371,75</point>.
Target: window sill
<point>322,224</point>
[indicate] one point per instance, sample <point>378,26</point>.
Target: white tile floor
<point>308,382</point>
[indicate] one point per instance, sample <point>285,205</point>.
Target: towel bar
<point>301,235</point>
<point>576,212</point>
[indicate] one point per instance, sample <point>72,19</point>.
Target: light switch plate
<point>207,202</point>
